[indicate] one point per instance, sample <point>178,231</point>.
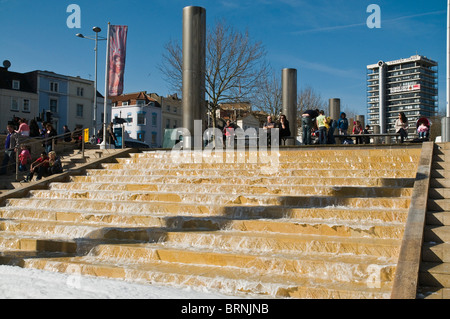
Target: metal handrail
<point>24,140</point>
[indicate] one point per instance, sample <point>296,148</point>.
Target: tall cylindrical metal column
<point>289,83</point>
<point>445,135</point>
<point>334,106</point>
<point>382,96</point>
<point>194,65</point>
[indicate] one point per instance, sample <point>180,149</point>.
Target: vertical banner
<point>117,52</point>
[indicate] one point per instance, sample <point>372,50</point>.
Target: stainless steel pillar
<point>382,96</point>
<point>334,106</point>
<point>376,130</point>
<point>445,132</point>
<point>194,65</point>
<point>445,129</point>
<point>289,83</point>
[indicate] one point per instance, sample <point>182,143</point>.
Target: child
<point>24,157</point>
<point>422,130</point>
<point>357,129</point>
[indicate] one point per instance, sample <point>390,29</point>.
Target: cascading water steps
<point>309,224</point>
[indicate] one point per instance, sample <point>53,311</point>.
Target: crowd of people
<point>18,134</point>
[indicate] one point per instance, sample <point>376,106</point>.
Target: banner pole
<point>105,102</point>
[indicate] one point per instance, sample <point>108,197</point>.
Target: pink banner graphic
<point>117,54</point>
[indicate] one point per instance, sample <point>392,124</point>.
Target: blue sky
<point>327,41</point>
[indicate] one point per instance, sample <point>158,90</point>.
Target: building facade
<point>171,112</point>
<point>18,98</point>
<point>407,85</point>
<point>141,115</point>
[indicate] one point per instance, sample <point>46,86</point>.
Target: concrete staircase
<point>434,279</point>
<point>322,223</point>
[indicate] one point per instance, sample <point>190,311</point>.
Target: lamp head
<point>96,29</point>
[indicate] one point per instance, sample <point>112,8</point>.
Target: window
<point>141,118</point>
<point>129,118</point>
<point>175,109</point>
<point>54,105</point>
<point>26,106</point>
<point>168,108</point>
<point>140,102</point>
<point>80,108</point>
<point>80,91</point>
<point>154,138</point>
<point>167,123</point>
<point>16,85</point>
<point>124,103</point>
<point>14,104</point>
<point>53,86</point>
<point>141,136</point>
<point>154,119</point>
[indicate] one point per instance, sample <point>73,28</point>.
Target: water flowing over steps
<point>434,276</point>
<point>318,224</point>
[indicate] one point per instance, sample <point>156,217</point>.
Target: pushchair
<point>427,123</point>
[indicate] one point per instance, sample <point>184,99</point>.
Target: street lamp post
<point>96,39</point>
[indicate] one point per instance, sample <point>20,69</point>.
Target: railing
<point>77,142</point>
<point>36,146</point>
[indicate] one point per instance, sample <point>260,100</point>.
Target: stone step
<point>438,205</point>
<point>433,293</point>
<point>439,183</point>
<point>150,164</point>
<point>434,252</point>
<point>30,239</point>
<point>217,218</point>
<point>434,274</point>
<point>275,172</point>
<point>339,155</point>
<point>250,180</point>
<point>224,279</point>
<point>350,268</point>
<point>241,189</point>
<point>226,199</point>
<point>287,243</point>
<point>69,230</point>
<point>439,193</point>
<point>440,173</point>
<point>443,146</point>
<point>13,242</point>
<point>437,234</point>
<point>438,218</point>
<point>440,165</point>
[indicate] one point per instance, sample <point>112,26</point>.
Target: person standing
<point>67,134</point>
<point>342,124</point>
<point>321,124</point>
<point>308,118</point>
<point>11,142</point>
<point>24,158</point>
<point>24,129</point>
<point>50,132</point>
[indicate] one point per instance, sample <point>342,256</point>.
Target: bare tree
<point>268,97</point>
<point>308,99</point>
<point>234,66</point>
